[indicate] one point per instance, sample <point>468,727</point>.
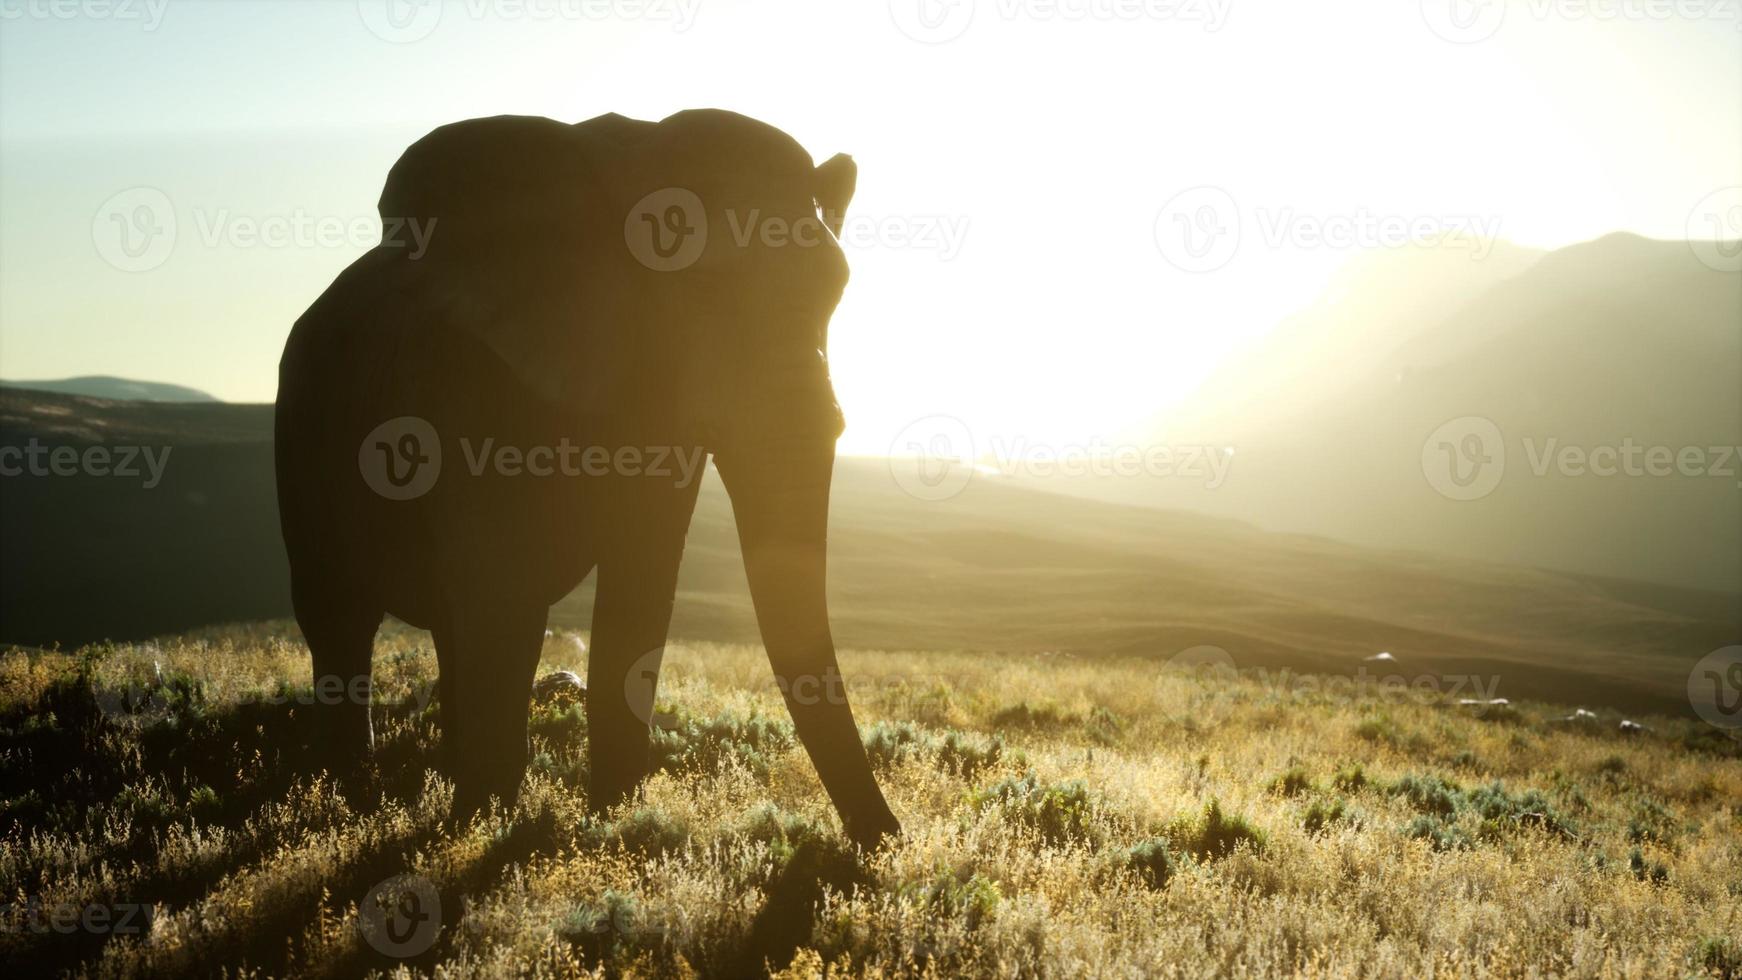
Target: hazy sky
<point>1026,258</point>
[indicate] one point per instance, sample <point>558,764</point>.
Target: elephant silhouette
<point>465,432</point>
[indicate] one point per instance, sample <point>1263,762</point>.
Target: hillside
<point>105,386</point>
<point>997,568</point>
<point>1616,342</point>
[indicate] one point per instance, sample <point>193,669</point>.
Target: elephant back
<point>514,184</point>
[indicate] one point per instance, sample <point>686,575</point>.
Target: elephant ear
<point>521,223</point>
<point>835,182</point>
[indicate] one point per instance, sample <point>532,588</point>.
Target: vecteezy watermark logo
<point>300,229</point>
<point>1198,230</point>
<point>401,917</point>
<point>406,21</point>
<point>1715,688</point>
<point>937,21</point>
<point>1465,458</point>
<point>932,21</point>
<point>401,458</point>
<point>667,230</point>
<point>145,463</point>
<point>135,231</point>
<point>1471,21</point>
<point>1715,229</point>
<point>1202,228</point>
<point>1206,672</point>
<point>933,458</point>
<point>35,916</point>
<point>1464,21</point>
<point>943,234</point>
<point>146,12</point>
<point>641,684</point>
<point>400,21</point>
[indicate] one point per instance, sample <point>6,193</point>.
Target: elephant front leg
<point>341,638</point>
<point>491,651</point>
<point>631,615</point>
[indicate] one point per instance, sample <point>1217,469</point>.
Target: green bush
<point>1444,835</point>
<point>704,746</point>
<point>1217,833</point>
<point>1154,861</point>
<point>1292,782</point>
<point>1323,813</point>
<point>1061,813</point>
<point>1429,794</point>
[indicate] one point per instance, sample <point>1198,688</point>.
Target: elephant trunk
<point>780,495</point>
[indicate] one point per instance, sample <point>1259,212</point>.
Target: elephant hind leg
<point>489,653</point>
<point>340,630</point>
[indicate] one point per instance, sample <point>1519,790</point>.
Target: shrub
<point>892,742</point>
<point>1104,726</point>
<point>967,755</point>
<point>1720,957</point>
<point>1429,794</point>
<point>1350,780</point>
<point>1651,824</point>
<point>1323,813</point>
<point>1060,813</point>
<point>1044,715</point>
<point>1293,782</point>
<point>705,746</point>
<point>1218,833</point>
<point>1502,811</point>
<point>1655,872</point>
<point>647,830</point>
<point>1444,836</point>
<point>598,929</point>
<point>956,894</point>
<point>1153,860</point>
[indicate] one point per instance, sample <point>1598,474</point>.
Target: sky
<point>1068,213</point>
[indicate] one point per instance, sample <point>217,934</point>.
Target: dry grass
<point>1063,817</point>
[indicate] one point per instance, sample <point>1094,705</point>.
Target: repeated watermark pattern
<point>148,14</point>
<point>401,459</point>
<point>668,230</point>
<point>410,21</point>
<point>1474,21</point>
<point>1201,229</point>
<point>1207,672</point>
<point>936,457</point>
<point>940,21</point>
<point>37,459</point>
<point>138,229</point>
<point>1714,229</point>
<point>401,917</point>
<point>1466,458</point>
<point>35,916</point>
<point>1715,688</point>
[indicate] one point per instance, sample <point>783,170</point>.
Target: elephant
<point>585,293</point>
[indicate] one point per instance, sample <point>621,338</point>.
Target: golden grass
<point>195,811</point>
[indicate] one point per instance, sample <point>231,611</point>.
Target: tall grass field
<point>1064,816</point>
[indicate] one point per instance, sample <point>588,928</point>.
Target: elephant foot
<point>873,832</point>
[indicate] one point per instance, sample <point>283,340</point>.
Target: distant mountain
<point>1615,343</point>
<point>996,568</point>
<point>1377,302</point>
<point>118,389</point>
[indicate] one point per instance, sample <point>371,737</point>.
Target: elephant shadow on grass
<point>132,785</point>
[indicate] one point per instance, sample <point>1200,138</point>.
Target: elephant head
<point>672,283</point>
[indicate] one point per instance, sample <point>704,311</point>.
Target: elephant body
<point>532,324</point>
